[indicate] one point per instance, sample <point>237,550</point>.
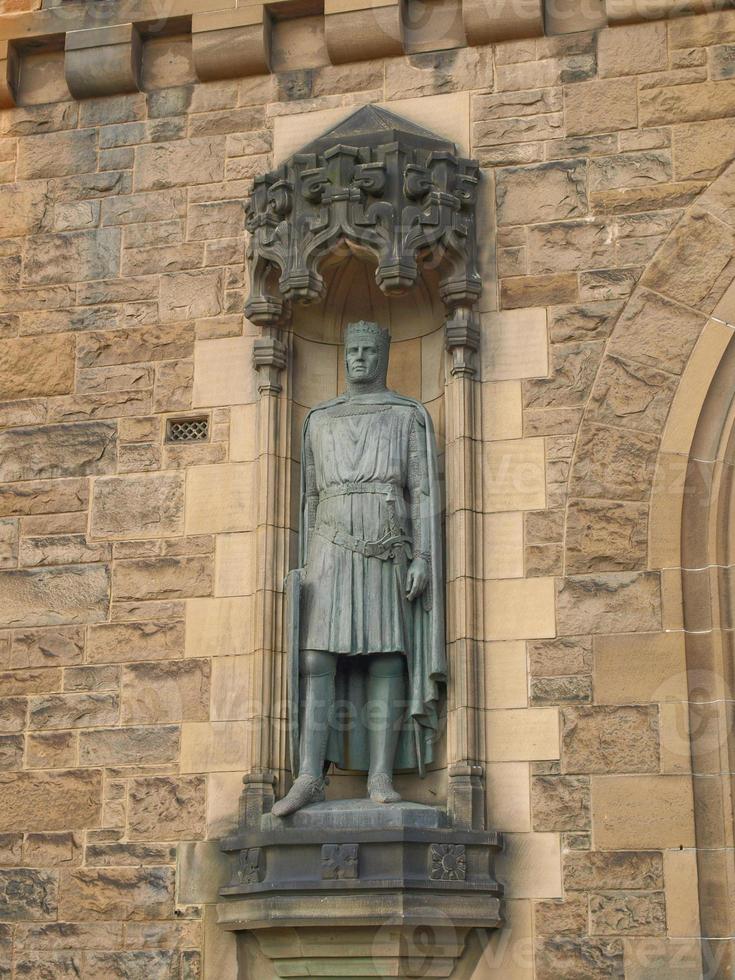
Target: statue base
<point>351,888</point>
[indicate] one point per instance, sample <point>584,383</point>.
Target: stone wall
<point>126,562</point>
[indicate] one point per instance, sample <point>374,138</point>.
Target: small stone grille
<point>187,430</point>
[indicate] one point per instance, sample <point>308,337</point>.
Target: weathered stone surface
<point>51,750</point>
<point>688,265</point>
<point>656,331</point>
<point>52,850</point>
<point>613,464</point>
<point>591,321</point>
<point>541,193</point>
<point>632,395</point>
<point>560,803</point>
<point>565,655</point>
<point>45,451</point>
<point>72,256</point>
<point>701,150</point>
<point>11,752</point>
<point>62,549</point>
<point>686,103</point>
<point>522,291</point>
<point>606,536</point>
<point>575,689</point>
<point>604,739</point>
<point>572,371</point>
<point>92,678</point>
<point>628,914</point>
<point>155,693</point>
<point>166,808</point>
<point>151,640</point>
<point>654,197</point>
<point>43,801</point>
<point>47,648</point>
<point>192,294</point>
<point>23,209</point>
<point>174,384</point>
<point>601,106</point>
<point>179,163</point>
<point>61,965</point>
<point>611,602</point>
<point>607,284</point>
<point>49,596</point>
<point>28,368</point>
<point>128,346</point>
<point>613,870</point>
<point>630,170</point>
<point>27,894</point>
<point>12,714</point>
<point>138,506</point>
<point>73,710</point>
<point>134,854</point>
<point>119,747</point>
<point>578,959</point>
<point>556,918</point>
<point>66,935</point>
<point>57,155</point>
<point>30,681</point>
<point>153,964</point>
<point>116,893</point>
<point>117,377</point>
<point>566,246</point>
<point>162,578</point>
<point>43,497</point>
<point>632,50</point>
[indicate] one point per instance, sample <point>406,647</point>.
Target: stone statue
<point>366,653</point>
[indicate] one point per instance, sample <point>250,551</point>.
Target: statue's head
<point>366,353</point>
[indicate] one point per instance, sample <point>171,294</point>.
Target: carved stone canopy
<point>377,184</point>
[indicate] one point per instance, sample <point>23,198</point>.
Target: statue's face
<point>362,358</point>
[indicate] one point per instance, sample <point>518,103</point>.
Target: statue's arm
<point>311,492</point>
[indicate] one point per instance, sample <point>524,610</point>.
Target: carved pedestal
<point>353,888</point>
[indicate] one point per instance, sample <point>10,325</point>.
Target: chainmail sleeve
<point>311,491</point>
<point>418,489</point>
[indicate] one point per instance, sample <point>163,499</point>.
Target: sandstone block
<point>686,103</point>
<point>52,850</point>
<point>572,371</point>
<point>529,866</point>
<point>116,893</point>
<point>192,294</point>
<point>30,681</point>
<point>613,870</point>
<point>555,918</point>
<point>156,693</point>
<point>640,667</point>
<point>560,803</point>
<point>543,192</point>
<point>214,746</point>
<point>180,163</point>
<point>12,714</point>
<point>630,170</point>
<point>632,50</point>
<point>578,958</point>
<point>60,595</point>
<point>522,734</point>
<point>139,964</point>
<point>61,549</point>
<point>613,463</point>
<point>642,811</point>
<point>567,246</point>
<point>657,331</point>
<point>521,291</point>
<point>632,395</point>
<point>220,498</point>
<point>163,808</point>
<point>667,196</point>
<point>11,752</point>
<point>148,343</point>
<point>609,602</point>
<point>561,690</point>
<point>559,657</point>
<point>515,345</point>
<point>45,801</point>
<point>606,536</point>
<point>28,368</point>
<point>73,710</point>
<point>41,452</point>
<point>150,640</point>
<point>51,750</point>
<point>138,506</point>
<point>601,106</point>
<point>78,679</point>
<point>125,746</point>
<point>72,256</point>
<point>124,855</point>
<point>116,378</point>
<point>23,209</point>
<point>628,914</point>
<point>691,261</point>
<point>173,389</point>
<point>610,739</point>
<point>28,894</point>
<point>515,104</point>
<point>58,154</point>
<point>701,149</point>
<point>47,648</point>
<point>162,578</point>
<point>590,321</point>
<point>61,965</point>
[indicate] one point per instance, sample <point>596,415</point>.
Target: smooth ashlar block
<point>359,30</point>
<point>220,498</point>
<point>522,734</point>
<point>218,627</point>
<point>214,746</point>
<point>103,61</point>
<point>642,812</point>
<point>224,373</point>
<point>514,475</point>
<point>507,789</point>
<point>519,609</point>
<point>515,345</point>
<point>231,43</point>
<point>530,866</point>
<point>490,21</point>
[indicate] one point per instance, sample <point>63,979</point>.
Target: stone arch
<point>656,447</point>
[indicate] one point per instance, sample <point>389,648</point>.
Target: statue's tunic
<point>361,459</point>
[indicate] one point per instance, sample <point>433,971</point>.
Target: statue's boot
<point>386,692</point>
<point>318,689</point>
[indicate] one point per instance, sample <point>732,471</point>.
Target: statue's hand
<point>417,578</point>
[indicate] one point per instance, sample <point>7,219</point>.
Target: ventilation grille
<point>187,430</point>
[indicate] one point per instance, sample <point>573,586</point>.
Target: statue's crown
<point>366,328</point>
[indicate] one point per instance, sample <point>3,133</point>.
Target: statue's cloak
<point>424,645</point>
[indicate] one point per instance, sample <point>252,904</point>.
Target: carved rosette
<point>375,184</point>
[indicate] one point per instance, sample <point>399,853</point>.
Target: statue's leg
<point>386,696</point>
<point>317,671</point>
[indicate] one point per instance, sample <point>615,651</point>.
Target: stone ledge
<point>103,61</point>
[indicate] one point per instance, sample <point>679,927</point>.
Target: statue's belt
<point>389,546</point>
<point>345,489</point>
